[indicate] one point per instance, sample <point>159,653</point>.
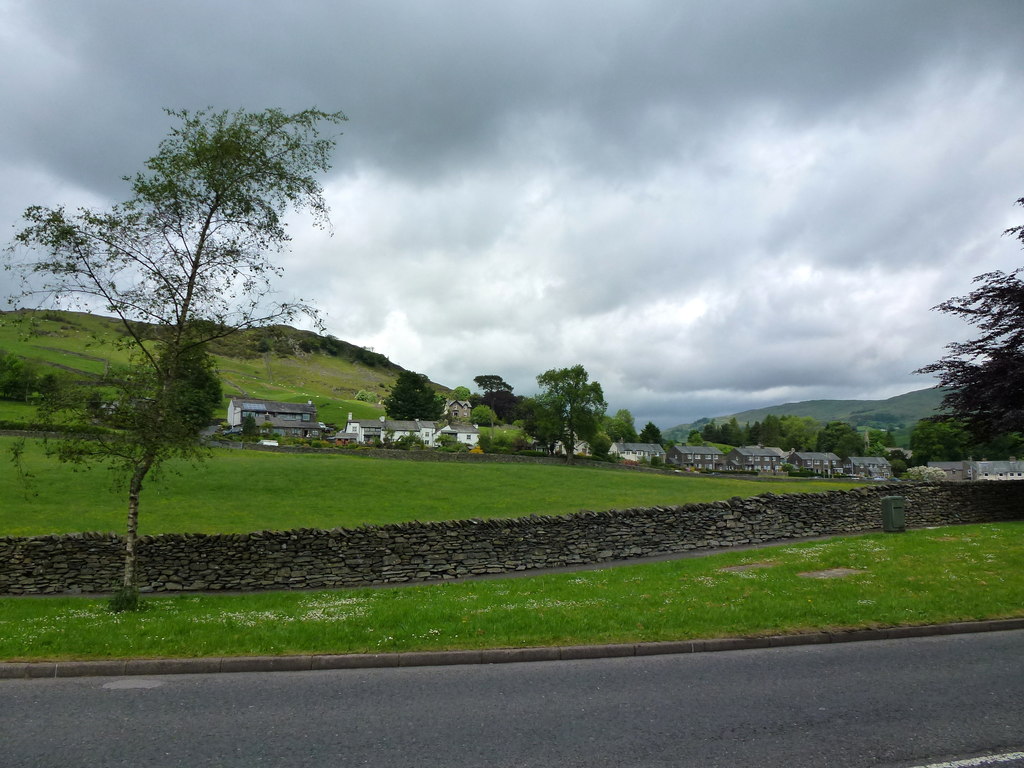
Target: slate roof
<point>257,405</point>
<point>706,450</point>
<point>640,447</point>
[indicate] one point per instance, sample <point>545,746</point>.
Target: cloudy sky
<point>711,205</point>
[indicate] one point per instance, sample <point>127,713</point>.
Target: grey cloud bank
<point>710,206</point>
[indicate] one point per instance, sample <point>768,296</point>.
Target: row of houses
<point>768,459</point>
<point>300,420</point>
<point>431,433</point>
<point>981,470</point>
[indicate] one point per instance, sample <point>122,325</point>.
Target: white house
<point>637,451</point>
<point>368,431</point>
<point>464,434</point>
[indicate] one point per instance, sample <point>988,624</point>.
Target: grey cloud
<point>706,204</point>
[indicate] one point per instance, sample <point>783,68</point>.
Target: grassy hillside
<point>898,413</point>
<point>278,362</point>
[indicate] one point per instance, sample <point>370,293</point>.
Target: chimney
<point>350,415</point>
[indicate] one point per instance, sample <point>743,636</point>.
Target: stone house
<point>824,464</point>
<point>755,458</point>
<point>867,466</point>
<point>274,417</point>
<point>458,410</point>
<point>695,457</point>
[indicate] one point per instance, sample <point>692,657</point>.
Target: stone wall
<point>91,562</point>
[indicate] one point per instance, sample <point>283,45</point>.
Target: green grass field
<point>238,491</point>
<point>921,577</point>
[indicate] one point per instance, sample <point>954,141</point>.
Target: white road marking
<point>978,761</point>
<point>132,682</point>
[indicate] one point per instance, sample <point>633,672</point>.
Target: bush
<point>925,474</point>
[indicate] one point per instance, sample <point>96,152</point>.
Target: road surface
<point>937,701</point>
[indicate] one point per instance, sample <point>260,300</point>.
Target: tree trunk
<point>130,582</point>
<point>569,444</point>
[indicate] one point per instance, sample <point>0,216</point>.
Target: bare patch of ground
<point>747,567</point>
<point>831,573</point>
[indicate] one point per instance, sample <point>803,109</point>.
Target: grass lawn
<point>239,491</point>
<point>921,577</point>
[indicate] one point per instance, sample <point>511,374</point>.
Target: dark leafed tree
<point>491,382</point>
<point>186,260</point>
<point>413,398</point>
<point>497,395</point>
<point>840,438</point>
<point>650,434</point>
<point>539,422</point>
<point>939,440</point>
<point>984,377</point>
<point>574,403</point>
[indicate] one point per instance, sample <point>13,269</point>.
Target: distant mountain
<point>898,414</point>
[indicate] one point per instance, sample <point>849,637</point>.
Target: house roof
<point>814,456</point>
<point>461,429</point>
<point>759,450</point>
<point>639,447</point>
<point>270,406</point>
<point>767,449</point>
<point>869,461</point>
<point>407,425</point>
<point>691,449</point>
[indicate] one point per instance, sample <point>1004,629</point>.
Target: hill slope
<point>277,362</point>
<point>898,413</point>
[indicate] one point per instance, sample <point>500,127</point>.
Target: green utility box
<point>894,514</point>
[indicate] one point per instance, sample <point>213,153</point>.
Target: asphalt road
<point>931,701</point>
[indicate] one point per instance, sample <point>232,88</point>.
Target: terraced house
<point>755,458</point>
<point>273,417</point>
<point>695,457</point>
<point>824,464</point>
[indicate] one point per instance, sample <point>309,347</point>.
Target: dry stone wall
<point>91,562</point>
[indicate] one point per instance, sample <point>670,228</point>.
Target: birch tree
<point>186,260</point>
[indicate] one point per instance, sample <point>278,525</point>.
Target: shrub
<point>926,474</point>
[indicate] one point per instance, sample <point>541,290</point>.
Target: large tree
<point>497,395</point>
<point>621,427</point>
<point>412,398</point>
<point>984,377</point>
<point>650,434</point>
<point>574,402</point>
<point>840,438</point>
<point>939,440</point>
<point>539,422</point>
<point>186,260</point>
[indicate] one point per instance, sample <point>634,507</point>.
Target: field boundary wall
<point>420,552</point>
